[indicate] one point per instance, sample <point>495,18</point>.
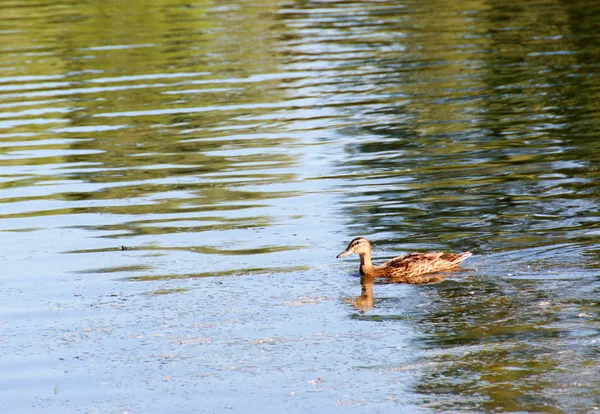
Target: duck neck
<point>366,267</point>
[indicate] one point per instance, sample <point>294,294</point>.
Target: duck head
<point>359,245</point>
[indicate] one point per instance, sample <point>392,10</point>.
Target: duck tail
<point>462,257</point>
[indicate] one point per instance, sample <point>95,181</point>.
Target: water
<point>177,178</point>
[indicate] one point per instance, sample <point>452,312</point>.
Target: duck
<point>413,268</point>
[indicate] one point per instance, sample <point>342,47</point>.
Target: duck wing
<point>411,258</point>
<point>414,264</point>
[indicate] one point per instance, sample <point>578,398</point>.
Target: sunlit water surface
<point>176,180</point>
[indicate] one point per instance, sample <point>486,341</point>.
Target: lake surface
<point>177,178</point>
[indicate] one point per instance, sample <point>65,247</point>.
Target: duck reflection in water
<point>404,269</point>
<point>366,299</point>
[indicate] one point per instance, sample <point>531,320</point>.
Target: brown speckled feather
<point>419,263</point>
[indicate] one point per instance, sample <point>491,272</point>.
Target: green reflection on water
<point>155,120</point>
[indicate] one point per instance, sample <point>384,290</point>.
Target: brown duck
<point>410,268</point>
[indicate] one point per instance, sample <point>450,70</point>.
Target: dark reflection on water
<point>476,143</point>
<point>533,349</point>
<point>527,343</point>
<point>216,140</point>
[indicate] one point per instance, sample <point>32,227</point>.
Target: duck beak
<point>344,253</point>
